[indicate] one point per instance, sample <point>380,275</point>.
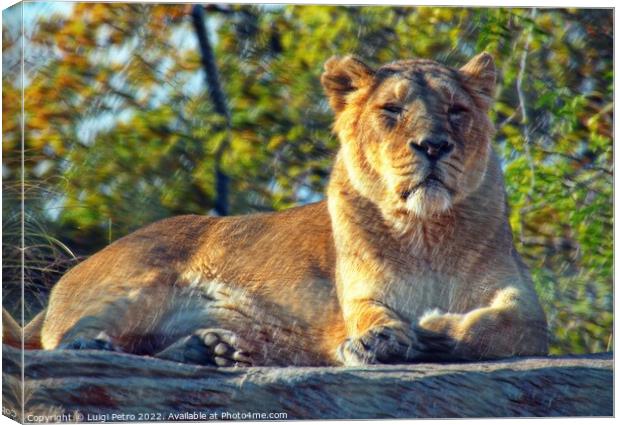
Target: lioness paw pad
<point>210,347</point>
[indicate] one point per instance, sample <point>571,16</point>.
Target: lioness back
<point>276,266</point>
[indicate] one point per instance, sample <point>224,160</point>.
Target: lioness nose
<point>432,148</point>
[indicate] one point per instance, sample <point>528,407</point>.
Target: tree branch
<point>525,120</point>
<point>219,101</point>
<point>100,382</point>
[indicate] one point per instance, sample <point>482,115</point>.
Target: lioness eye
<point>456,114</point>
<point>392,109</point>
<point>456,111</point>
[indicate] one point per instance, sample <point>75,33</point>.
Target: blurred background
<point>121,130</point>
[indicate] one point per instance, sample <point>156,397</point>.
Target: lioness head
<point>415,134</point>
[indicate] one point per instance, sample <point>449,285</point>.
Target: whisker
<point>396,166</point>
<point>460,170</point>
<point>452,175</point>
<point>405,165</point>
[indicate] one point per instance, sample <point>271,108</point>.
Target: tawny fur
<point>392,259</point>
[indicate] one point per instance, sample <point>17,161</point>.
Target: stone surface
<point>98,385</point>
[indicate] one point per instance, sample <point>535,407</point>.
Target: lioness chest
<point>415,292</point>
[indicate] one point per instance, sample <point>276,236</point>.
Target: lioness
<point>410,258</point>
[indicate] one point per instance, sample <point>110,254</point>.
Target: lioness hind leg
<point>100,342</point>
<point>212,346</point>
<point>88,333</point>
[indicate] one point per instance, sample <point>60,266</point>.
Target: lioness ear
<point>343,76</point>
<point>479,74</point>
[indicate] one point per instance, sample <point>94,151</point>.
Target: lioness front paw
<point>435,333</point>
<point>212,347</point>
<point>434,345</point>
<point>378,345</point>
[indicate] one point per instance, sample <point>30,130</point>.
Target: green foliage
<point>120,131</point>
